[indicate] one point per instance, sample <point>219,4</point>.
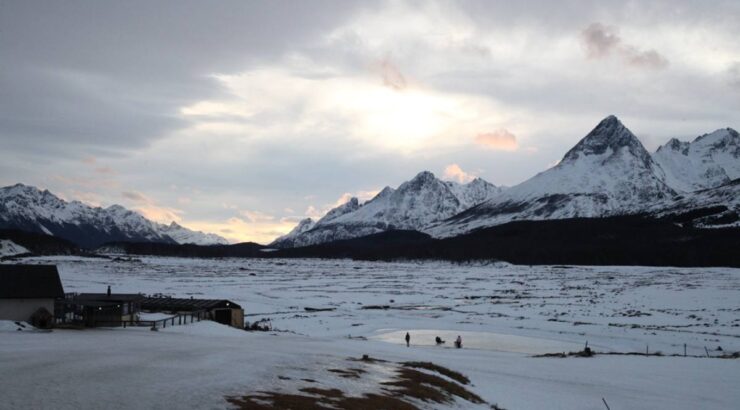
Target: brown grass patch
<point>407,384</point>
<point>459,377</point>
<point>271,400</point>
<point>374,402</point>
<point>427,387</point>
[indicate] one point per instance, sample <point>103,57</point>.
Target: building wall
<point>237,318</point>
<point>22,309</point>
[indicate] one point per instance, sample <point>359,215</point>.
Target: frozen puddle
<point>479,340</point>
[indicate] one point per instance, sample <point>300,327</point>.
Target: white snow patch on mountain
<point>28,208</point>
<point>709,161</point>
<point>608,172</point>
<point>413,205</point>
<point>10,248</point>
<point>184,235</point>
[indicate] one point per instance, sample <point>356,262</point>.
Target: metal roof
<point>114,297</point>
<point>182,304</point>
<point>30,282</point>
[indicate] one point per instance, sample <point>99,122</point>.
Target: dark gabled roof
<point>177,304</point>
<point>103,297</point>
<point>30,282</point>
<point>95,303</point>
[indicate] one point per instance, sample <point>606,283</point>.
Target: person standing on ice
<point>408,339</point>
<point>458,342</point>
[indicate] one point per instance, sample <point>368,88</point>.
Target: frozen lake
<point>504,313</point>
<point>478,340</point>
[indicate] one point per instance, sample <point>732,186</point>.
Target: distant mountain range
<point>607,173</point>
<point>29,209</point>
<point>417,203</point>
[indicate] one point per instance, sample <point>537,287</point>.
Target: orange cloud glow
<point>500,139</point>
<point>455,173</point>
<point>240,230</point>
<point>161,214</point>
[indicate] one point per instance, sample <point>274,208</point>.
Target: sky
<point>243,117</point>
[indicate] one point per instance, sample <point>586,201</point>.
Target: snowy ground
<point>504,314</point>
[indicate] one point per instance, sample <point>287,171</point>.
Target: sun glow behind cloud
<point>238,230</point>
<point>286,122</point>
<point>364,108</point>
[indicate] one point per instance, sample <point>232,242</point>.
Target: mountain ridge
<point>606,173</point>
<point>414,204</point>
<point>34,210</point>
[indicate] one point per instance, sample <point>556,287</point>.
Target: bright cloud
<point>455,173</point>
<point>390,114</point>
<point>317,213</point>
<point>240,230</point>
<point>500,139</point>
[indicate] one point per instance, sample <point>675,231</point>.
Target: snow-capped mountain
<point>287,240</point>
<point>709,161</point>
<point>609,172</point>
<point>413,205</point>
<point>180,234</point>
<point>474,192</point>
<point>30,209</point>
<point>717,207</point>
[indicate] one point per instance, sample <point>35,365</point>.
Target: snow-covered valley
<point>504,313</point>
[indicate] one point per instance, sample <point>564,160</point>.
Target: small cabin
<point>219,310</point>
<point>29,293</point>
<point>103,309</point>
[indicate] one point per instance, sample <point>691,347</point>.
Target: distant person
<point>458,342</point>
<point>439,340</point>
<point>408,339</point>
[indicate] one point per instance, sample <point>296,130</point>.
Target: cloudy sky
<point>241,118</point>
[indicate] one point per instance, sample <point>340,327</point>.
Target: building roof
<point>103,297</point>
<point>30,282</point>
<point>178,304</point>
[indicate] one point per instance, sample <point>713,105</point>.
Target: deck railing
<point>178,319</point>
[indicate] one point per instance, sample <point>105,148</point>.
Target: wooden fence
<point>179,319</point>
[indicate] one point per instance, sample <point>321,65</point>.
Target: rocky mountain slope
<point>608,172</point>
<point>32,210</point>
<point>709,161</point>
<point>423,200</point>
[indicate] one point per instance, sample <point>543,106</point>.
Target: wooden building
<point>29,293</point>
<point>102,309</point>
<point>219,310</point>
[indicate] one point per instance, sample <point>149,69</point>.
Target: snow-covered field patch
<point>325,312</point>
